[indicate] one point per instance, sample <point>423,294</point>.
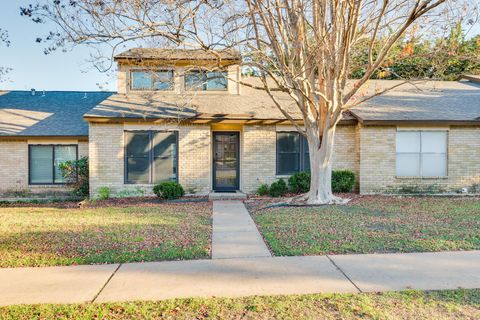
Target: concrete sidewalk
<point>235,234</point>
<point>240,277</point>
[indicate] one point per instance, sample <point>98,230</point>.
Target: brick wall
<point>378,162</point>
<point>107,158</point>
<point>14,166</point>
<point>259,162</point>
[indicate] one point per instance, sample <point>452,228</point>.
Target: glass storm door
<point>225,161</point>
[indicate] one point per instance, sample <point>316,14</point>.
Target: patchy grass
<point>61,234</point>
<point>456,304</point>
<point>372,224</point>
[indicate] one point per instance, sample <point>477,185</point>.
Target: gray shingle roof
<point>178,54</point>
<point>55,114</point>
<point>431,101</point>
<point>251,104</point>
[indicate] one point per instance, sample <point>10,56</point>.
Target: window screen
<point>421,154</point>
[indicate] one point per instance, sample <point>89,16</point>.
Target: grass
<point>455,304</point>
<point>372,224</point>
<point>51,235</point>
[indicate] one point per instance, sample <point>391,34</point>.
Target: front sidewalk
<point>240,277</point>
<point>241,265</point>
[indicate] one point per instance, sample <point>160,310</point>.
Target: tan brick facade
<point>107,158</point>
<point>14,165</point>
<point>378,162</point>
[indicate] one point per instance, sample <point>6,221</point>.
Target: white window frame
<point>421,153</point>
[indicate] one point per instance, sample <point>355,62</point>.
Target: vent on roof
<point>43,93</point>
<point>33,91</point>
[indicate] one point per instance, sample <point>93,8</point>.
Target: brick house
<point>183,115</point>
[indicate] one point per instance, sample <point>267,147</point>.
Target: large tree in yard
<point>302,48</point>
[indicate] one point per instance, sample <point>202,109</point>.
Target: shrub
<point>299,182</point>
<point>278,188</point>
<point>343,180</point>
<point>76,174</point>
<point>169,190</point>
<point>103,193</point>
<point>263,189</point>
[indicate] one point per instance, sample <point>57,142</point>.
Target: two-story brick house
<point>190,116</point>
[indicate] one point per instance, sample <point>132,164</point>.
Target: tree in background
<point>441,58</point>
<point>305,49</point>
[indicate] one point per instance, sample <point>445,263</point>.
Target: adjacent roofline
<point>16,137</point>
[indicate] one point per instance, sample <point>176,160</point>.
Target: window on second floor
<point>200,80</point>
<point>152,80</point>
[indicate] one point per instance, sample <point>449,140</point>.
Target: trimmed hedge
<point>343,180</point>
<point>169,190</point>
<point>299,182</point>
<point>278,188</point>
<point>263,189</point>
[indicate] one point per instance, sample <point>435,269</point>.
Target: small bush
<point>278,188</point>
<point>76,175</point>
<point>263,189</point>
<point>103,193</point>
<point>343,180</point>
<point>299,182</point>
<point>169,190</point>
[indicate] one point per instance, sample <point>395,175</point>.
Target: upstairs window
<point>44,162</point>
<point>152,80</point>
<point>198,80</point>
<point>292,153</point>
<point>150,157</point>
<point>422,154</point>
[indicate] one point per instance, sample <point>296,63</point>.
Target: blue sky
<point>56,71</point>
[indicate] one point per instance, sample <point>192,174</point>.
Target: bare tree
<point>300,47</point>
<point>4,40</point>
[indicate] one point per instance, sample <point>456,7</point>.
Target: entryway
<point>226,161</point>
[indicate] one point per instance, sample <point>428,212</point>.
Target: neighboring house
<point>183,115</point>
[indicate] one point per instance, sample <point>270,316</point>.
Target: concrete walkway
<point>241,266</point>
<point>240,277</point>
<point>235,235</point>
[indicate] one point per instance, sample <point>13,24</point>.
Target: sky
<point>56,71</point>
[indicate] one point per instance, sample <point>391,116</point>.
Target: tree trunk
<point>321,154</point>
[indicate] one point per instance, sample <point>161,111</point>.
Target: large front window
<point>292,153</point>
<point>152,80</point>
<point>200,80</point>
<point>44,162</point>
<point>421,153</point>
<point>150,156</point>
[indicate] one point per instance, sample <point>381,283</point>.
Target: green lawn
<point>457,304</point>
<point>48,235</point>
<point>372,224</point>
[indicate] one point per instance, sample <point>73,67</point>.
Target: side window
<point>44,162</point>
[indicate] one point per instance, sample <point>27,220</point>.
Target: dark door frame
<point>237,169</point>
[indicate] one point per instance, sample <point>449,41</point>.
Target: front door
<point>226,161</point>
